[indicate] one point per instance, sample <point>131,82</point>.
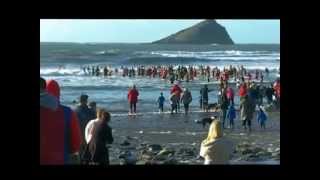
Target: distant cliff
<point>205,32</point>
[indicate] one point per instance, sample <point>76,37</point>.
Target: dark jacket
<point>204,93</point>
<point>96,150</point>
<point>224,102</point>
<point>84,115</point>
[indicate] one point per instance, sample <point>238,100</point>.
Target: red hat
<point>53,88</point>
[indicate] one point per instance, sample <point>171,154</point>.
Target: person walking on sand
<point>230,95</point>
<point>186,99</point>
<point>98,134</point>
<point>84,115</point>
<point>246,112</point>
<point>160,101</point>
<point>224,103</point>
<point>262,117</point>
<point>60,135</point>
<point>204,98</point>
<point>216,149</point>
<point>269,93</point>
<point>133,99</point>
<point>231,115</point>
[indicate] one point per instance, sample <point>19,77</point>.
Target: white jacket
<point>217,151</point>
<point>88,130</point>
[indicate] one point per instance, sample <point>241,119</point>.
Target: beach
<point>180,133</point>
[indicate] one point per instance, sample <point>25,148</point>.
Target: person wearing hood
<point>60,135</point>
<point>262,117</point>
<point>216,149</point>
<point>46,100</point>
<point>231,115</point>
<point>186,99</point>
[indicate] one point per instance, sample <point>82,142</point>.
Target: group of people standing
<point>70,136</point>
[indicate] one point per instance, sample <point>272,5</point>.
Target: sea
<point>63,62</point>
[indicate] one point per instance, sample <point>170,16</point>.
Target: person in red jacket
<point>133,98</point>
<point>177,90</point>
<point>242,90</point>
<point>60,135</point>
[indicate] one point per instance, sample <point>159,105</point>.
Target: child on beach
<point>161,100</point>
<point>262,117</point>
<point>231,115</point>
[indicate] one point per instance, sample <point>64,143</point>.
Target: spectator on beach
<point>276,88</point>
<point>242,90</point>
<point>230,95</point>
<point>224,103</point>
<point>231,115</point>
<point>99,134</point>
<point>216,149</point>
<point>246,112</point>
<point>160,101</point>
<point>60,135</point>
<point>262,117</point>
<point>84,115</point>
<point>204,98</point>
<point>269,94</point>
<point>133,99</point>
<point>93,109</point>
<point>186,100</point>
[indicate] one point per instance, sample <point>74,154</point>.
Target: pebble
<point>154,147</point>
<point>125,143</point>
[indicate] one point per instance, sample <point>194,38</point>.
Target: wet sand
<point>180,131</point>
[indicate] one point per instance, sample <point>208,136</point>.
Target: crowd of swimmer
<point>187,73</point>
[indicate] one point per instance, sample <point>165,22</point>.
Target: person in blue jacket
<point>231,115</point>
<point>262,117</point>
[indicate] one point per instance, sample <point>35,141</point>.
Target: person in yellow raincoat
<point>216,149</point>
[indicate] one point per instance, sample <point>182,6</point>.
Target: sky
<point>146,30</point>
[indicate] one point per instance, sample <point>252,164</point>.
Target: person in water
<point>216,149</point>
<point>98,135</point>
<point>186,99</point>
<point>160,101</point>
<point>60,135</point>
<point>133,99</point>
<point>177,90</point>
<point>262,117</point>
<point>174,102</point>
